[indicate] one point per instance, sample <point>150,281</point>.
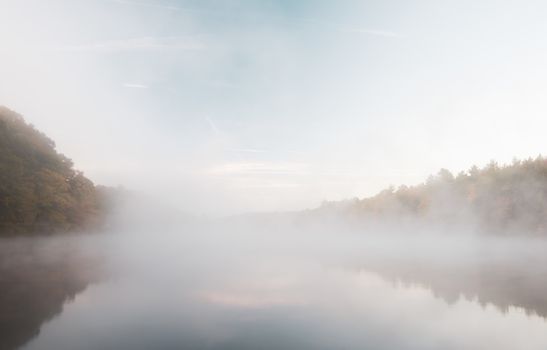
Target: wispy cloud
<point>149,4</point>
<point>213,126</point>
<point>344,29</point>
<point>267,185</point>
<point>139,44</point>
<point>372,32</point>
<point>135,86</point>
<point>249,150</point>
<point>260,168</point>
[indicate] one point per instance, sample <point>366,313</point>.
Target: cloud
<point>249,150</point>
<point>383,33</point>
<point>135,86</point>
<point>260,168</point>
<point>213,126</point>
<point>146,4</point>
<point>139,44</point>
<point>267,185</point>
<point>366,31</point>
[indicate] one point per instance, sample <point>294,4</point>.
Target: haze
<point>273,174</point>
<point>235,106</point>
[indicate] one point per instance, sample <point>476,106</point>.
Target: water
<point>280,288</point>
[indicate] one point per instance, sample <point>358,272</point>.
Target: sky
<point>224,107</point>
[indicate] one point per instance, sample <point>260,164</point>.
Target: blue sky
<point>232,106</point>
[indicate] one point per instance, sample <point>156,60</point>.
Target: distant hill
<point>40,191</point>
<point>507,199</point>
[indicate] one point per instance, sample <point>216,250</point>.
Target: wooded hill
<point>40,191</point>
<point>506,199</point>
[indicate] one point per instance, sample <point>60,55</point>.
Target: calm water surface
<point>304,291</point>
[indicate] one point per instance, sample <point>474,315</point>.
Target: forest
<point>40,191</point>
<point>503,199</point>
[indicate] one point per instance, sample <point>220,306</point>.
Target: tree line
<point>508,199</point>
<point>40,191</point>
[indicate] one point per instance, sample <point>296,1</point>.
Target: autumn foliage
<point>507,199</point>
<point>40,192</point>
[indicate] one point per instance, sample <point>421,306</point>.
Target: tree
<point>39,189</point>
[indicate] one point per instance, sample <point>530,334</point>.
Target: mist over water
<point>257,282</point>
<point>131,129</point>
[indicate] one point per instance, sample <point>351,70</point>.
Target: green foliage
<point>503,199</point>
<point>40,192</point>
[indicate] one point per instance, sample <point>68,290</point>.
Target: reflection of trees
<point>37,276</point>
<point>503,283</point>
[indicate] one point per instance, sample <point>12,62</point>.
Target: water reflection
<point>210,291</point>
<point>500,271</point>
<point>37,276</point>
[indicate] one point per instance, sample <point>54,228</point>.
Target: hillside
<point>507,199</point>
<point>40,191</point>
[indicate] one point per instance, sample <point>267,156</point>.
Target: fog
<point>273,281</point>
<point>268,166</point>
<point>237,106</point>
